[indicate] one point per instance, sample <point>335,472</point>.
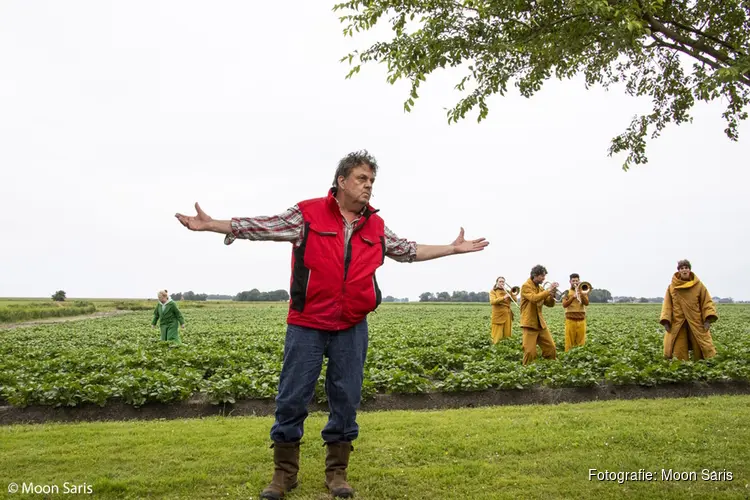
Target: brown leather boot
<point>286,461</point>
<point>337,460</point>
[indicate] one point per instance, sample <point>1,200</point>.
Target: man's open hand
<point>200,222</point>
<point>463,245</point>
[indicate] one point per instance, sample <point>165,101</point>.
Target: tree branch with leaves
<point>644,44</point>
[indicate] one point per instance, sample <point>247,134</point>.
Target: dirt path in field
<point>197,407</point>
<point>103,314</point>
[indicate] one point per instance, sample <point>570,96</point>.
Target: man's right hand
<point>200,222</point>
<point>668,327</point>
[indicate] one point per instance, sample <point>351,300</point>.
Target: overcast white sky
<point>114,115</point>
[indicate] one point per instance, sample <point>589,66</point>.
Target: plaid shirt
<point>289,225</point>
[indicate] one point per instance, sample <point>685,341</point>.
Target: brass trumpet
<point>558,293</point>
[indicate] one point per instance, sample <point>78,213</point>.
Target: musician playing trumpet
<point>533,326</point>
<point>574,302</point>
<point>502,314</point>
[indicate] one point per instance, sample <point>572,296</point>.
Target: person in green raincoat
<point>168,316</point>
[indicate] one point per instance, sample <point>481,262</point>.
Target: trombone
<point>511,292</point>
<point>583,286</point>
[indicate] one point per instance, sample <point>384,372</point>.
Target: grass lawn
<point>502,452</point>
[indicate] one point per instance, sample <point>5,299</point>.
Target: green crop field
<point>234,351</point>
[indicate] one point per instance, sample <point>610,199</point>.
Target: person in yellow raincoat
<point>575,314</point>
<point>687,314</point>
<point>533,326</point>
<point>502,314</point>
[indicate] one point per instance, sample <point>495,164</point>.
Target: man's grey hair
<point>353,160</point>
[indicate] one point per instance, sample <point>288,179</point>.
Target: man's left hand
<point>707,325</point>
<point>463,245</point>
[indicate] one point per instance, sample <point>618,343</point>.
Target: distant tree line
<point>724,300</point>
<point>253,295</point>
<point>600,296</point>
<point>638,300</point>
<point>596,295</point>
<point>189,296</point>
<point>659,300</point>
<point>394,299</point>
<point>256,295</point>
<point>457,296</point>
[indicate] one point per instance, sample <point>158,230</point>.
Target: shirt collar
<point>367,210</point>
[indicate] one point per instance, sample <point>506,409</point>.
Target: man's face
<point>538,280</point>
<point>684,272</point>
<point>162,299</point>
<point>358,185</point>
<point>574,282</point>
<point>500,283</point>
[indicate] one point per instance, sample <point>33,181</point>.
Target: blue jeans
<point>304,350</point>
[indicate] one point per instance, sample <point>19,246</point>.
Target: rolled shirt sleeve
<point>399,249</point>
<point>286,226</point>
